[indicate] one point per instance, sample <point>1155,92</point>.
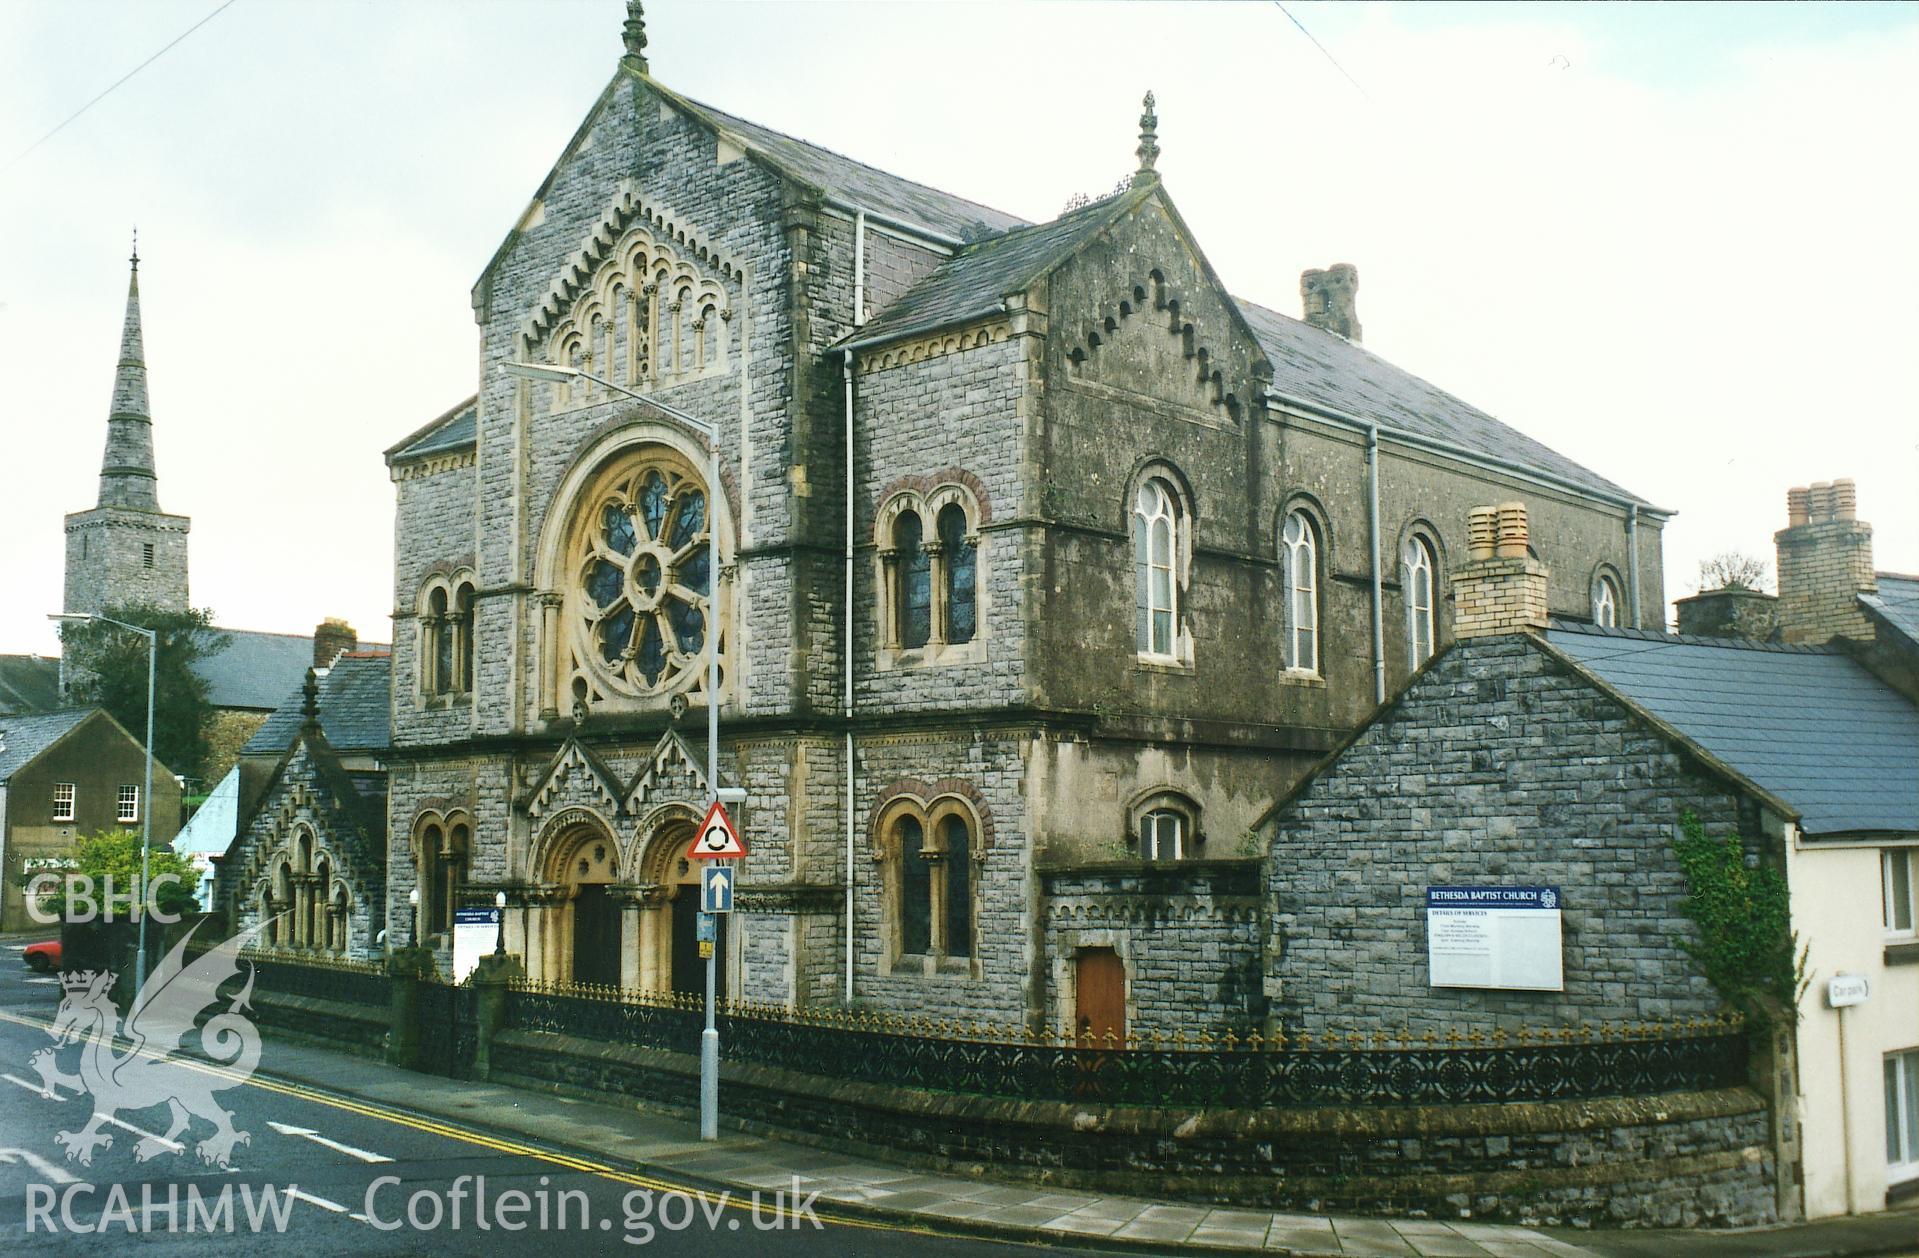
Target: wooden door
<point>596,937</point>
<point>1099,997</point>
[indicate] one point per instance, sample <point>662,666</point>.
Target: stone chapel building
<point>1047,566</point>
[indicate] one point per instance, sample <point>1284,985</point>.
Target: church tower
<point>126,550</point>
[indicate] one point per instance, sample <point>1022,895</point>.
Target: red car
<point>44,956</point>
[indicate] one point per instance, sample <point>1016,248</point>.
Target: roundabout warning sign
<point>716,839</point>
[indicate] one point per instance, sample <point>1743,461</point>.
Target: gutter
<point>1372,524</point>
<point>846,657</point>
<point>1321,411</point>
<point>1632,560</point>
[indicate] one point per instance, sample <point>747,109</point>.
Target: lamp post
<point>499,917</point>
<point>413,916</point>
<point>710,1038</point>
<point>146,797</point>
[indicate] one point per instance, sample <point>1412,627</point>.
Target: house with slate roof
<point>1045,565</point>
<point>65,775</point>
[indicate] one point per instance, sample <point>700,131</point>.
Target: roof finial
<point>310,701</point>
<point>135,259</point>
<point>634,32</point>
<point>1148,143</point>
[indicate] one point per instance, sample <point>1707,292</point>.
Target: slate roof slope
<point>256,669</point>
<point>971,283</point>
<point>1897,603</point>
<point>354,711</point>
<point>23,738</point>
<point>855,182</point>
<point>1317,366</point>
<point>28,683</point>
<point>1805,723</point>
<point>456,429</point>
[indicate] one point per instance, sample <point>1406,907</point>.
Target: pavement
<point>936,1210</point>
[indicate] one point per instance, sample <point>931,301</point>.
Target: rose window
<point>648,581</point>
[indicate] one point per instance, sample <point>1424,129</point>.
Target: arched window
<point>463,624</point>
<point>961,577</point>
<point>1300,555</point>
<point>915,889</point>
<point>1155,547</point>
<point>915,593</point>
<point>452,875</point>
<point>1605,601</point>
<point>432,840</point>
<point>1162,835</point>
<point>1419,564</point>
<point>933,850</point>
<point>440,643</point>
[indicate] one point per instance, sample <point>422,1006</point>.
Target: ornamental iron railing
<point>1227,1070</point>
<point>296,973</point>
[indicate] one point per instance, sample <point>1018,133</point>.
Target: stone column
<point>936,631</point>
<point>549,656</point>
<point>652,902</point>
<point>889,598</point>
<point>629,901</point>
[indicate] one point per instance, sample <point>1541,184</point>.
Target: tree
<point>108,666</point>
<point>115,854</point>
<point>1731,570</point>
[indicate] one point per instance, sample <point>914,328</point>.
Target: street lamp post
<point>146,797</point>
<point>709,1038</point>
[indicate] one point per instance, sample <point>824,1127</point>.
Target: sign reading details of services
<point>1494,937</point>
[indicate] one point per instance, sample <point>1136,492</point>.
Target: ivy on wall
<point>1746,947</point>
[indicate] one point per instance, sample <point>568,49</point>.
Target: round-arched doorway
<point>583,927</point>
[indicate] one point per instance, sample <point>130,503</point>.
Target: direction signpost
<point>717,839</point>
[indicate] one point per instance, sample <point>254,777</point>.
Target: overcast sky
<point>1674,242</point>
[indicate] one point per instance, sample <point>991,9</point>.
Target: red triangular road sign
<point>716,839</point>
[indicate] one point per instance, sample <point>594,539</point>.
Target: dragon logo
<point>150,1073</point>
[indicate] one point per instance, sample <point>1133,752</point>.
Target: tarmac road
<point>328,1174</point>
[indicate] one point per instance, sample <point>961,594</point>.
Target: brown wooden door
<point>596,937</point>
<point>1099,996</point>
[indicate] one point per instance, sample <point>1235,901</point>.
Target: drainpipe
<point>846,668</point>
<point>1632,559</point>
<point>1372,519</point>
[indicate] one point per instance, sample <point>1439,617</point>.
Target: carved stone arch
<point>660,839</point>
<point>1421,526</point>
<point>911,794</point>
<point>1152,465</point>
<point>896,501</point>
<point>557,842</point>
<point>953,491</point>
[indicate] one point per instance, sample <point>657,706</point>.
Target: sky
<point>1673,242</point>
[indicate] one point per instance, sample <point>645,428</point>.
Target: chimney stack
<point>331,639</point>
<point>1501,588</point>
<point>1825,564</point>
<point>1331,299</point>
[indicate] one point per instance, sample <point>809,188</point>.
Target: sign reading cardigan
<point>1494,937</point>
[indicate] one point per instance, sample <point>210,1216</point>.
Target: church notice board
<point>1505,937</point>
<point>476,932</point>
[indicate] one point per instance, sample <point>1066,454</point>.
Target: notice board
<point>475,933</point>
<point>1503,937</point>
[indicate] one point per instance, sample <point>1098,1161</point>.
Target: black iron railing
<point>349,982</point>
<point>1229,1071</point>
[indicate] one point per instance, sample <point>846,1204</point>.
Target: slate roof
<point>1310,364</point>
<point>1897,603</point>
<point>973,281</point>
<point>855,182</point>
<point>256,669</point>
<point>23,738</point>
<point>29,683</point>
<point>1319,366</point>
<point>457,429</point>
<point>1805,723</point>
<point>354,712</point>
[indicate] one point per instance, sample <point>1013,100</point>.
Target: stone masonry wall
<point>1188,933</point>
<point>1498,767</point>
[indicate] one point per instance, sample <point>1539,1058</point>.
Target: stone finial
<point>310,701</point>
<point>1148,142</point>
<point>633,31</point>
<point>135,259</point>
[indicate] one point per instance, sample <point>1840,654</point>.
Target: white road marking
<point>174,1145</point>
<point>38,1163</point>
<point>48,981</point>
<point>307,1133</point>
<point>295,1194</point>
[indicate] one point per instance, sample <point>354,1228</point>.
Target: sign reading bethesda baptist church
<point>1494,937</point>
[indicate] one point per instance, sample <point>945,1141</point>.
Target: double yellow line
<point>498,1145</point>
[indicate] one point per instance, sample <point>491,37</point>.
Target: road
<point>328,1174</point>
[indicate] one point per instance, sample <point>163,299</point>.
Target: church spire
<point>633,31</point>
<point>1148,143</point>
<point>127,478</point>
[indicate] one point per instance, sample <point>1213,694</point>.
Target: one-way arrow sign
<point>717,839</point>
<point>716,889</point>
